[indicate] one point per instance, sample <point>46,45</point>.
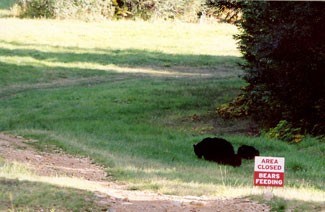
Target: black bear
<point>247,152</point>
<point>218,150</point>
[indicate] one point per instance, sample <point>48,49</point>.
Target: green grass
<point>282,204</point>
<point>18,195</point>
<point>125,94</point>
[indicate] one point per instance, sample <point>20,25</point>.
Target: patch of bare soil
<point>115,197</point>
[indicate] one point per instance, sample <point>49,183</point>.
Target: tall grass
<point>126,94</point>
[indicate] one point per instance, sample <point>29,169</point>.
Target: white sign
<point>269,171</point>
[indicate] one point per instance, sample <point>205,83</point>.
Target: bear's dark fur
<point>218,150</point>
<point>247,152</point>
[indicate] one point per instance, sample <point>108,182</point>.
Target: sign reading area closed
<point>269,171</point>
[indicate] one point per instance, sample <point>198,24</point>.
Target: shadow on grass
<point>26,64</point>
<point>123,58</point>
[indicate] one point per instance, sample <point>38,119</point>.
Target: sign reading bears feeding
<point>269,171</point>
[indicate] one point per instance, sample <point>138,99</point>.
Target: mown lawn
<point>135,97</point>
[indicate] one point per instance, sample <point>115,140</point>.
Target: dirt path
<point>114,197</point>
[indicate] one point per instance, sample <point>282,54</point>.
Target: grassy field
<point>135,97</point>
<point>17,195</point>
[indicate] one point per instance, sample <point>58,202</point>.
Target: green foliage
<point>134,8</point>
<point>234,109</point>
<point>84,9</point>
<point>225,10</point>
<point>155,9</point>
<point>283,44</point>
<point>37,8</point>
<point>253,103</point>
<point>185,10</point>
<point>75,9</point>
<point>284,131</point>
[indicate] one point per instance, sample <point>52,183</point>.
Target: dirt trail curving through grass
<point>110,195</point>
<point>129,73</point>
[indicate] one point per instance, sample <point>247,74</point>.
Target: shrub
<point>73,9</point>
<point>186,10</point>
<point>283,45</point>
<point>224,10</point>
<point>84,9</point>
<point>36,8</point>
<point>143,9</point>
<point>284,131</point>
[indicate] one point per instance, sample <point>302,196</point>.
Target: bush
<point>186,10</point>
<point>62,9</point>
<point>134,8</point>
<point>224,10</point>
<point>36,8</point>
<point>284,131</point>
<point>283,45</point>
<point>84,9</point>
